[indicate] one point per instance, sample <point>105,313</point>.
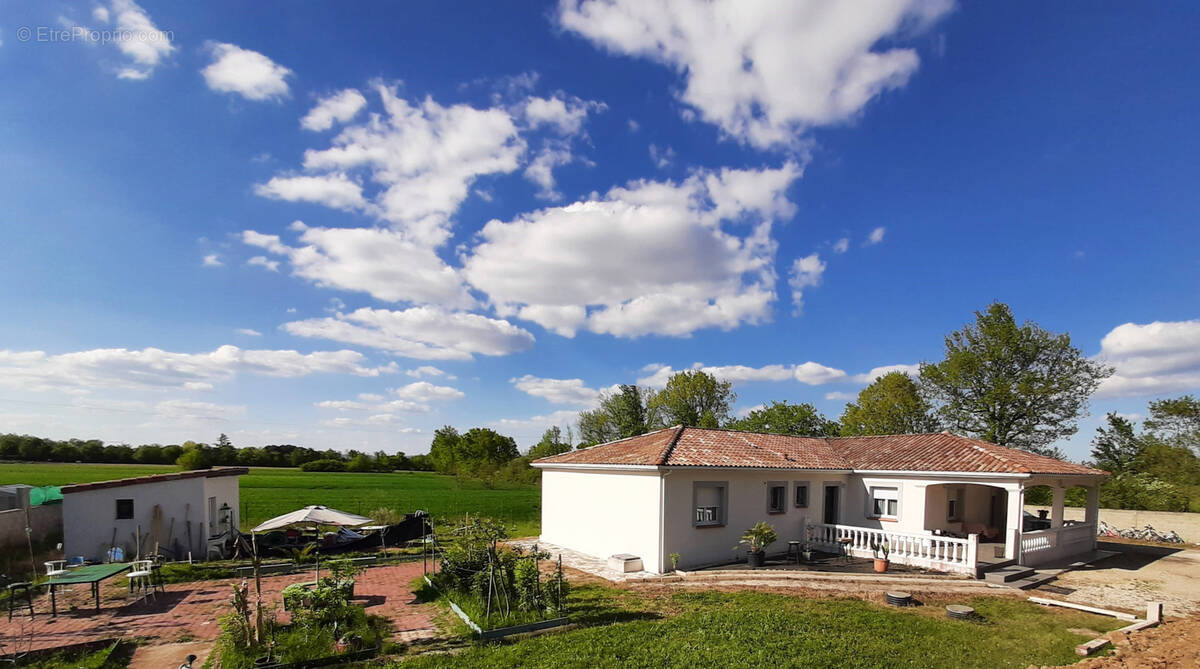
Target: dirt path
<point>1137,575</point>
<point>1176,644</point>
<point>170,655</point>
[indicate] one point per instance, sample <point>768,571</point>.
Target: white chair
<point>56,567</point>
<point>139,575</point>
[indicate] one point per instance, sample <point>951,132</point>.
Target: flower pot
<point>881,565</point>
<point>755,558</point>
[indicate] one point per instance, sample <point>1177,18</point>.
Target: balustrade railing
<point>918,550</point>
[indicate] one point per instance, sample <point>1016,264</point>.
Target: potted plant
<point>880,550</point>
<point>756,539</point>
<point>674,561</point>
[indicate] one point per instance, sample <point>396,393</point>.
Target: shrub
<point>323,465</point>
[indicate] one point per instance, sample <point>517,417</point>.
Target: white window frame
<point>887,494</point>
<point>783,502</point>
<point>796,486</point>
<point>722,511</point>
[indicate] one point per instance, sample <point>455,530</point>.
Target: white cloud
<point>541,170</point>
<point>340,107</point>
<point>247,73</point>
<point>565,114</point>
<point>248,332</point>
<point>876,372</point>
<point>559,391</point>
<point>765,72</point>
<point>1151,359</point>
<point>875,237</point>
<point>662,158</point>
<point>413,398</point>
<point>152,368</point>
<point>263,261</point>
<point>424,391</point>
<point>427,333</point>
<point>806,273</point>
<point>379,262</point>
<point>426,370</point>
<point>334,190</point>
<point>139,39</point>
<point>212,260</point>
<point>648,258</point>
<point>633,125</point>
<point>810,373</point>
<point>842,245</point>
<point>202,411</point>
<point>839,395</point>
<point>530,429</point>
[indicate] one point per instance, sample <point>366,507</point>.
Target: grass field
<point>623,628</point>
<point>267,492</point>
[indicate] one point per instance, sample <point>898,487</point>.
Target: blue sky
<point>297,223</point>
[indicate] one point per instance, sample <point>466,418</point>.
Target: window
<point>124,509</point>
<point>776,497</point>
<point>885,503</point>
<point>710,499</point>
<point>954,498</point>
<point>801,494</point>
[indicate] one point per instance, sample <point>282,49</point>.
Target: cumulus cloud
<point>412,398</point>
<point>424,391</point>
<point>212,260</point>
<point>426,333</point>
<point>202,411</point>
<point>1151,359</point>
<point>810,373</point>
<point>765,72</point>
<point>143,43</point>
<point>806,273</point>
<point>842,245</point>
<point>247,73</point>
<point>339,107</point>
<point>530,429</point>
<point>648,258</point>
<point>869,377</point>
<point>559,391</point>
<point>248,332</point>
<point>263,261</point>
<point>380,262</point>
<point>662,157</point>
<point>875,237</point>
<point>565,114</point>
<point>334,190</point>
<point>426,370</point>
<point>152,368</point>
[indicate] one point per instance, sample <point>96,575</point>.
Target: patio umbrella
<point>312,515</point>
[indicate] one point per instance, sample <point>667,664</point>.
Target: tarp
<point>45,495</point>
<point>314,515</point>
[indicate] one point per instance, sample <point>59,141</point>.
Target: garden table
<point>91,574</point>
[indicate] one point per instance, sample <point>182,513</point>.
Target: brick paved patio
<point>191,610</point>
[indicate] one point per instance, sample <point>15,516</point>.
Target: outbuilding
<point>180,514</point>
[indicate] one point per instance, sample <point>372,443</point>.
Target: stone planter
<point>881,565</point>
<point>756,558</point>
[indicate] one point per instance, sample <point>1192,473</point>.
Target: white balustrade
<point>918,550</point>
<point>1042,546</point>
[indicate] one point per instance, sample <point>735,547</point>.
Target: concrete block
<point>625,563</point>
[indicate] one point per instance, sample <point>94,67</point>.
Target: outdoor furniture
<point>23,590</point>
<point>844,549</point>
<point>139,575</point>
<point>91,574</point>
<point>793,549</point>
<point>56,567</point>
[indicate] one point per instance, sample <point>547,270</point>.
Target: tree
<point>801,420</point>
<point>1176,421</point>
<point>443,451</point>
<point>223,441</point>
<point>1117,448</point>
<point>194,456</point>
<point>1013,385</point>
<point>481,444</point>
<point>552,443</point>
<point>693,398</point>
<point>360,463</point>
<point>892,404</point>
<point>624,413</point>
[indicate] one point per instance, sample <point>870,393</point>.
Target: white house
<point>180,512</point>
<point>940,501</point>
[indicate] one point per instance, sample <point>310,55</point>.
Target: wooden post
<point>258,627</point>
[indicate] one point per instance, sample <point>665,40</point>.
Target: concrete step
<point>1031,582</point>
<point>1014,572</point>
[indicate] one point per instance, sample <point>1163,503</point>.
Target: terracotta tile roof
<point>696,447</point>
<point>215,472</point>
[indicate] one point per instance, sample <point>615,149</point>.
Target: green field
<point>268,492</point>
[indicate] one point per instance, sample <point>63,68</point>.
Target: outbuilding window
<point>710,501</point>
<point>885,503</point>
<point>776,497</point>
<point>124,509</point>
<point>954,504</point>
<point>800,496</point>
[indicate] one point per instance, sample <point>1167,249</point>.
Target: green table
<point>91,574</point>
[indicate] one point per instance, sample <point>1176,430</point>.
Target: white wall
<point>603,513</point>
<point>225,489</point>
<point>747,505</point>
<point>89,517</point>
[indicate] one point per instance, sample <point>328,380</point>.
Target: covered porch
<point>970,526</point>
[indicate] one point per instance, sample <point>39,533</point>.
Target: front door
<point>833,495</point>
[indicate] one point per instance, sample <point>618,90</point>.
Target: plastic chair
<point>139,575</point>
<point>56,567</point>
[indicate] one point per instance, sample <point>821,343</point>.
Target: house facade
<point>180,512</point>
<point>940,501</point>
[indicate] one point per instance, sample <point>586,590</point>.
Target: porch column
<point>1056,506</point>
<point>1092,513</point>
<point>1016,508</point>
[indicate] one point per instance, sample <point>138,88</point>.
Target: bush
<point>323,465</point>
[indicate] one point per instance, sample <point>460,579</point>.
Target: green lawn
<point>754,629</point>
<point>268,492</point>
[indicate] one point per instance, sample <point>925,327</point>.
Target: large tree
<point>892,404</point>
<point>693,398</point>
<point>801,420</point>
<point>1176,421</point>
<point>622,413</point>
<point>1116,449</point>
<point>1013,385</point>
<point>552,443</point>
